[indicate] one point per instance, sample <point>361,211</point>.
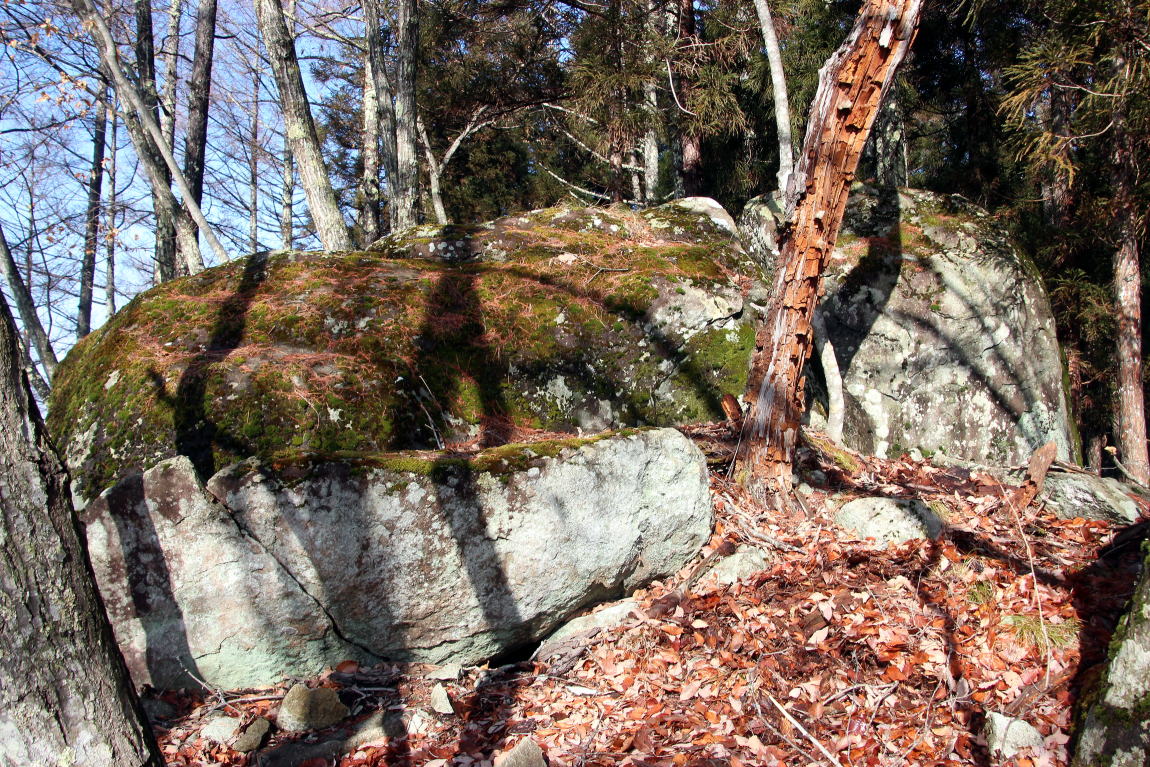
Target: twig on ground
<point>795,723</point>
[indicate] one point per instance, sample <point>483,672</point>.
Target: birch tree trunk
<point>64,689</point>
<point>300,127</point>
<point>778,94</point>
<point>406,181</point>
<point>92,219</point>
<point>852,85</point>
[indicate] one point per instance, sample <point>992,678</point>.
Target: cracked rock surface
<point>269,572</point>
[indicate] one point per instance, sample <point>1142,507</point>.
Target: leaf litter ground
<point>841,652</point>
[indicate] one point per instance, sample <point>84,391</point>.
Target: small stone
<point>449,673</point>
<point>441,701</point>
<point>305,708</point>
<point>525,754</point>
<point>745,562</point>
<point>220,730</point>
<point>1009,736</point>
<point>889,520</point>
<point>252,736</point>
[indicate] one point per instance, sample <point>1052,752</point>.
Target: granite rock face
<point>282,569</point>
<point>941,329</point>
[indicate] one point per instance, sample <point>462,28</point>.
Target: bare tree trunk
<point>110,234</point>
<point>64,688</point>
<point>254,168</point>
<point>406,181</point>
<point>199,98</point>
<point>147,139</point>
<point>287,214</point>
<point>163,207</point>
<point>170,51</point>
<point>370,199</point>
<point>367,197</point>
<point>300,127</point>
<point>852,85</point>
<point>27,309</point>
<point>778,93</point>
<point>651,146</point>
<point>1127,279</point>
<point>690,138</point>
<point>92,219</point>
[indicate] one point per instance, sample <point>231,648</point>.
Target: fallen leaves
<point>841,652</point>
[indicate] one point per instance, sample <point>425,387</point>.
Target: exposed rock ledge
<point>274,570</point>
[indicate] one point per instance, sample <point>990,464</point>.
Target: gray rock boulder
<point>1006,736</point>
<point>943,333</point>
<point>278,570</point>
<point>892,520</point>
<point>1073,495</point>
<point>941,329</point>
<point>310,708</point>
<point>1114,718</point>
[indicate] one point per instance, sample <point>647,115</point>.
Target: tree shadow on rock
<point>195,435</point>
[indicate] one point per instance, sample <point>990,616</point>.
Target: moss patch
<point>538,321</point>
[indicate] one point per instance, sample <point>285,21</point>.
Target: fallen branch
<point>795,723</point>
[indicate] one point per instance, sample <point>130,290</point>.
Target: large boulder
<point>278,569</point>
<point>1114,718</point>
<point>941,329</point>
<point>561,319</point>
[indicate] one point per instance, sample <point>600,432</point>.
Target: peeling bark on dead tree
<point>852,85</point>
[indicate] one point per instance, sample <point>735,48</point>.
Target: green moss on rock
<point>434,335</point>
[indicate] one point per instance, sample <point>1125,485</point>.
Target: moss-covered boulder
<point>561,319</point>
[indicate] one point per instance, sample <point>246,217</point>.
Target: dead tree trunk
<point>27,309</point>
<point>64,688</point>
<point>852,85</point>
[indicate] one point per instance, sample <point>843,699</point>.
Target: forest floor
<point>842,652</point>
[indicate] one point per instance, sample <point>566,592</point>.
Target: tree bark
<point>779,94</point>
<point>1131,436</point>
<point>300,126</point>
<point>406,181</point>
<point>163,207</point>
<point>147,139</point>
<point>852,85</point>
<point>199,98</point>
<point>369,197</point>
<point>171,56</point>
<point>110,233</point>
<point>27,309</point>
<point>92,219</point>
<point>64,689</point>
<point>690,138</point>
